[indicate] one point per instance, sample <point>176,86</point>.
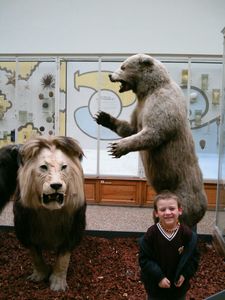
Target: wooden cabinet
<point>113,191</point>
<point>148,194</point>
<point>130,191</point>
<point>91,187</point>
<point>120,192</point>
<point>211,189</point>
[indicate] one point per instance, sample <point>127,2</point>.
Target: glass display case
<point>220,207</point>
<point>61,95</point>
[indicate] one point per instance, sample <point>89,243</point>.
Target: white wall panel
<point>119,26</point>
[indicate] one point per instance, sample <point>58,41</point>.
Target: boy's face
<point>168,212</point>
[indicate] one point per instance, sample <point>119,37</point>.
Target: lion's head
<point>50,174</point>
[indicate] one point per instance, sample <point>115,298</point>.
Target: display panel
<point>204,110</point>
<point>81,85</point>
<point>201,83</point>
<point>27,99</point>
<point>89,90</point>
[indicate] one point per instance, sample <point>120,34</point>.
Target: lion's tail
<point>9,164</point>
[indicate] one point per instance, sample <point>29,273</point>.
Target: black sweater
<point>161,257</point>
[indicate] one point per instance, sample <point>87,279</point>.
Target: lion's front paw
<point>58,283</point>
<point>37,276</point>
<point>102,118</point>
<point>116,150</point>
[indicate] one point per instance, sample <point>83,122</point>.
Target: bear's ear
<point>146,61</point>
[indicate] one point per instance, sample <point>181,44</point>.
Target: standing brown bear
<point>159,129</point>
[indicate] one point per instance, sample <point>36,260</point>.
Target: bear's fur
<point>159,129</point>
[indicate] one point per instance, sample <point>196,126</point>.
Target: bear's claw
<point>102,118</point>
<point>114,150</point>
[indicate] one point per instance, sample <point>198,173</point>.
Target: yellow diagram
<point>100,80</point>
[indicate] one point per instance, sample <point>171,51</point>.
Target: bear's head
<point>140,73</point>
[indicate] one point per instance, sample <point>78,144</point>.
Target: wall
<point>101,26</point>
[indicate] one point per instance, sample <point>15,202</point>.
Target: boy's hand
<point>164,283</point>
<point>180,281</point>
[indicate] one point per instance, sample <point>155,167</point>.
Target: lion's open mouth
<point>55,197</point>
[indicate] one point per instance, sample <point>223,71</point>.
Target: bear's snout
<point>114,77</point>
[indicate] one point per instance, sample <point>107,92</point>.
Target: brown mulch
<point>100,268</point>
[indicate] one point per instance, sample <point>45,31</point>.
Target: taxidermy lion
<point>159,129</point>
<point>49,202</point>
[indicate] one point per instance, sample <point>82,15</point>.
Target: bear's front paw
<point>102,118</point>
<point>116,150</point>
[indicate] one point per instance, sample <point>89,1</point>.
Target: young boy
<point>168,254</point>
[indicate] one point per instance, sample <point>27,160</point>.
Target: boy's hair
<point>166,194</point>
